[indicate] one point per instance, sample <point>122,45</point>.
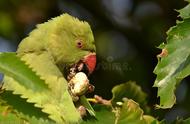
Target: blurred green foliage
<point>127,33</point>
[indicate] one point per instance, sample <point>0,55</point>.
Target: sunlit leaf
<point>127,110</point>
<point>21,107</point>
<point>129,90</point>
<point>131,113</point>
<point>175,65</point>
<point>123,110</point>
<point>185,12</point>
<point>128,113</point>
<point>12,66</point>
<point>53,99</point>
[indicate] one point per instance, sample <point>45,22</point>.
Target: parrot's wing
<point>56,101</point>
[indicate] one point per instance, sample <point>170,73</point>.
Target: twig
<point>99,100</point>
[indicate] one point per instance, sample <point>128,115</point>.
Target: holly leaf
<point>174,61</point>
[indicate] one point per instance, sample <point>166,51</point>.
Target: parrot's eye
<point>79,44</point>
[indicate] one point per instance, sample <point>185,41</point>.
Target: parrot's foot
<point>82,110</point>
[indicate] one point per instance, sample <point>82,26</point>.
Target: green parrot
<point>53,50</point>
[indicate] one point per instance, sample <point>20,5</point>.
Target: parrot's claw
<point>82,110</point>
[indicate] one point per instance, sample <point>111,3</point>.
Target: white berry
<point>80,83</point>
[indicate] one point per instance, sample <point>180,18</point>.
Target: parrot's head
<point>68,40</point>
<point>71,42</point>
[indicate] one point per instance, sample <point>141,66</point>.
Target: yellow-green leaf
<point>131,113</point>
<point>129,90</point>
<point>50,94</point>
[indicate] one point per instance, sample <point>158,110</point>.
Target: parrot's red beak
<point>90,61</point>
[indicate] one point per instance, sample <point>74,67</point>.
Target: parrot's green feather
<point>59,37</point>
<point>51,44</point>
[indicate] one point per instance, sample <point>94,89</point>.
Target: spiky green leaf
<point>54,99</point>
<point>14,109</point>
<point>12,66</point>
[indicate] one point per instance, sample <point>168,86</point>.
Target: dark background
<point>127,33</point>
